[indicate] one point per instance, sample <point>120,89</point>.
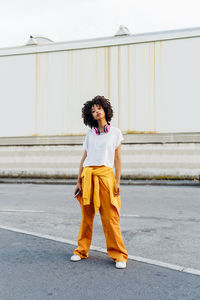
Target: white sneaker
<point>120,265</point>
<point>75,257</point>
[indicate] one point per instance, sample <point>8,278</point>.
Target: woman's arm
<point>78,185</point>
<point>117,170</point>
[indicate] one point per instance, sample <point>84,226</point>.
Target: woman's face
<point>97,112</point>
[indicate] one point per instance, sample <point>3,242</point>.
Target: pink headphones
<point>106,129</point>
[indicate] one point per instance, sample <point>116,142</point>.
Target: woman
<point>99,188</point>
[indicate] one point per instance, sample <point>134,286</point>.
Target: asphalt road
<point>34,268</point>
<point>157,222</point>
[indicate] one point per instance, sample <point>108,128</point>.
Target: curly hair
<point>86,110</point>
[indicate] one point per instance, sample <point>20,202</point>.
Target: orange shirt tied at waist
<point>92,178</point>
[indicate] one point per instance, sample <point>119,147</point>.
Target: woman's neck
<point>101,124</point>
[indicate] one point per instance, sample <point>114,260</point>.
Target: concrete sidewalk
<point>39,269</point>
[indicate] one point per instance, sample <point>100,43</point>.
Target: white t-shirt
<point>101,148</point>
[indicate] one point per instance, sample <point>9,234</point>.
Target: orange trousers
<point>111,227</point>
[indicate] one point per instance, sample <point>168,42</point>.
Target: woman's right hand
<point>78,187</point>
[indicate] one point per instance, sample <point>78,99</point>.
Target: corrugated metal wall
<point>153,87</point>
<point>122,73</point>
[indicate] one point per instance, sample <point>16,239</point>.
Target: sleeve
<point>119,138</point>
<point>85,143</point>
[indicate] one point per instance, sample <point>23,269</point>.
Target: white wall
<point>178,93</point>
<point>153,87</point>
<point>17,95</point>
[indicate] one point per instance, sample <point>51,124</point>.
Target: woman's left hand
<point>117,190</point>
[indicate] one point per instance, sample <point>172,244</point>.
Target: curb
<point>123,181</point>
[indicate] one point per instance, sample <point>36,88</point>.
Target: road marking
<point>22,210</point>
<point>137,216</point>
<point>121,215</point>
<point>136,258</point>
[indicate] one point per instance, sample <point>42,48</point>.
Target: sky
<point>65,20</point>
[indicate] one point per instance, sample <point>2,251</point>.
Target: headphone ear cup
<point>106,128</point>
<point>96,130</point>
